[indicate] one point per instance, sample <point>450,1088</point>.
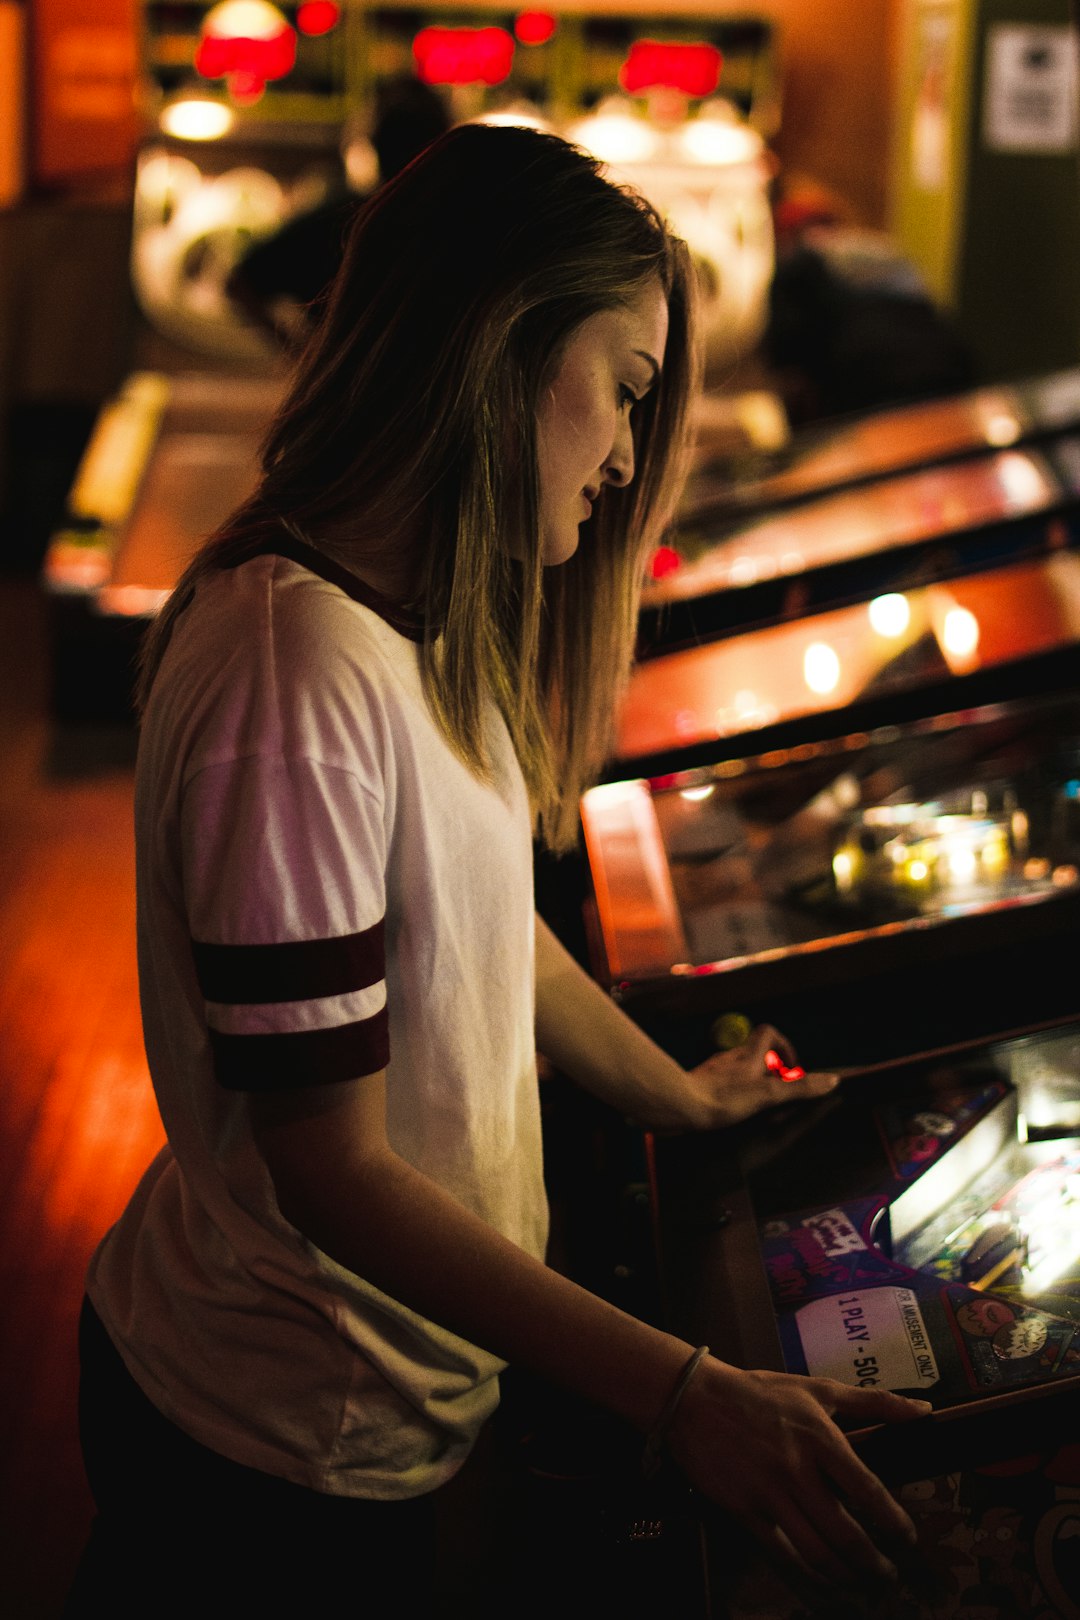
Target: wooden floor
<point>77,1117</point>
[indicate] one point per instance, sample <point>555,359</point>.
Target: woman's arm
<point>584,1034</point>
<point>761,1445</point>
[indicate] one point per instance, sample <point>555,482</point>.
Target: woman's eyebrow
<point>643,354</point>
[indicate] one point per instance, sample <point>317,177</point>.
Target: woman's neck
<point>388,569</point>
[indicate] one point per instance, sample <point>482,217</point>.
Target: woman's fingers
<point>800,1475</point>
<point>739,1088</point>
<point>870,1405</point>
<point>831,1542</point>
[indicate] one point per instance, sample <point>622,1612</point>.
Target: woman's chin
<point>559,548</point>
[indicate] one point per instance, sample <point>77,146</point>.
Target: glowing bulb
<point>890,615</point>
<point>821,668</point>
<point>1001,428</point>
<point>707,140</point>
<point>918,871</point>
<point>843,870</point>
<point>615,135</point>
<point>696,794</point>
<point>1022,481</point>
<point>960,632</point>
<point>196,119</point>
<point>744,571</point>
<point>962,863</point>
<point>244,19</point>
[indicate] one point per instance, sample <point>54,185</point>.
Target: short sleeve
<point>284,888</point>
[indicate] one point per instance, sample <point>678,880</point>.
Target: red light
<point>651,65</point>
<point>776,1065</point>
<point>665,561</point>
<point>245,88</point>
<point>316,17</point>
<point>534,27</point>
<point>260,59</point>
<point>463,55</point>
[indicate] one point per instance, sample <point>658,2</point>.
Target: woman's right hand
<point>764,1448</point>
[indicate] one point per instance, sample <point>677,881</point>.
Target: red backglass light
<point>534,27</point>
<point>316,17</point>
<point>463,55</point>
<point>654,65</point>
<point>254,59</point>
<point>665,560</point>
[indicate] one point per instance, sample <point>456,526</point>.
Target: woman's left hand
<point>734,1085</point>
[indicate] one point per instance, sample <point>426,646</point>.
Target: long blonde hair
<point>409,435</point>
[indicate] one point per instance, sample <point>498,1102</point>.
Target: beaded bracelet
<point>657,1436</point>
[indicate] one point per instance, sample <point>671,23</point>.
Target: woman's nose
<point>619,467</point>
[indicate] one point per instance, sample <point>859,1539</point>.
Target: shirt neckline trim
<point>283,543</point>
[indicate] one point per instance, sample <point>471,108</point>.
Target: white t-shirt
<point>324,890</point>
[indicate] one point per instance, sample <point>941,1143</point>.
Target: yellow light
<point>962,862</point>
<point>1024,483</point>
<point>197,118</point>
<point>1002,428</point>
<point>918,871</point>
<point>743,571</point>
<point>709,140</point>
<point>898,852</point>
<point>1063,877</point>
<point>960,632</point>
<point>244,19</point>
<point>843,870</point>
<point>696,794</point>
<point>995,853</point>
<point>613,134</point>
<point>821,668</point>
<point>890,615</point>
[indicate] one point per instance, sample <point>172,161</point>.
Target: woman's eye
<point>627,398</point>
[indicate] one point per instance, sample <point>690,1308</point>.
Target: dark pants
<point>182,1531</point>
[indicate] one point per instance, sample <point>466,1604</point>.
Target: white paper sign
<point>1031,88</point>
<point>872,1337</point>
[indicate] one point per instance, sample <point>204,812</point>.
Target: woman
<point>396,661</point>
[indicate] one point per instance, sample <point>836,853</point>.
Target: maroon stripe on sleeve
<point>310,1057</point>
<point>299,970</point>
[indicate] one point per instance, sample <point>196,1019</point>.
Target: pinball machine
<point>869,536</point>
<point>917,1231</point>
<point>845,451</point>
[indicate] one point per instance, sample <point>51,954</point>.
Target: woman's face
<point>583,420</point>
